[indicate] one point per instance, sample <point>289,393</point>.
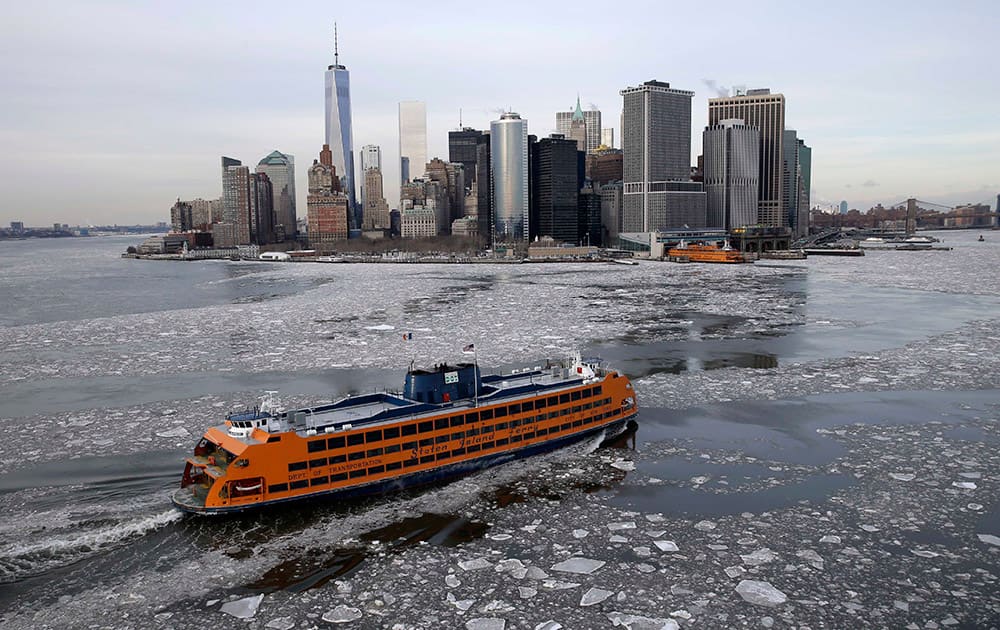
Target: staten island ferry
<point>702,253</point>
<point>449,420</point>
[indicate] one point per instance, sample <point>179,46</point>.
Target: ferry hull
<point>418,478</point>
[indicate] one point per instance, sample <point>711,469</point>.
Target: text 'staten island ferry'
<point>449,420</point>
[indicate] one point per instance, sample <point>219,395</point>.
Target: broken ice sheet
<point>243,608</point>
<point>581,565</point>
<point>665,545</point>
<point>989,539</point>
<point>638,622</point>
<point>760,593</point>
<point>486,623</point>
<point>761,556</point>
<point>595,596</point>
<point>342,614</point>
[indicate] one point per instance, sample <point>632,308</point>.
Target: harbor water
<point>817,443</point>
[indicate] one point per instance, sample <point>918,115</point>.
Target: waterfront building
<point>608,137</point>
<point>509,167</point>
<point>604,165</point>
<point>462,150</point>
<point>417,221</point>
<point>236,199</point>
<point>589,230</point>
<point>805,187</point>
<point>451,179</point>
<point>412,140</point>
<point>280,170</point>
<point>205,212</point>
<point>656,141</point>
<point>371,157</point>
<point>555,189</point>
<point>181,217</point>
<point>328,205</point>
<point>843,207</point>
<point>612,206</point>
<point>586,124</point>
<point>472,202</point>
<point>262,215</point>
<point>484,186</point>
<point>339,126</point>
<point>790,178</point>
<point>465,226</point>
<point>766,111</point>
<point>376,211</point>
<point>731,173</point>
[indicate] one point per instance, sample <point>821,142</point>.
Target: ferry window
<point>515,423</point>
<point>503,442</point>
<point>319,481</point>
<point>374,452</point>
<point>556,414</point>
<point>458,436</point>
<point>357,438</point>
<point>444,455</point>
<point>515,409</point>
<point>565,427</point>
<point>577,423</point>
<point>472,417</point>
<point>296,466</point>
<point>410,462</point>
<point>354,474</point>
<point>441,423</point>
<point>278,487</point>
<point>392,449</point>
<point>373,436</point>
<point>587,393</point>
<point>588,405</point>
<point>301,483</point>
<point>516,438</point>
<point>598,390</point>
<point>316,463</point>
<point>527,406</point>
<point>457,452</point>
<point>374,470</point>
<point>356,456</point>
<point>528,436</point>
<point>487,445</point>
<point>427,442</point>
<point>543,432</point>
<point>486,414</point>
<point>552,400</point>
<point>426,427</point>
<point>540,403</point>
<point>335,442</point>
<point>576,409</point>
<point>391,434</point>
<point>501,426</point>
<point>317,445</point>
<point>409,429</point>
<point>394,465</point>
<point>474,448</point>
<point>409,446</point>
<point>338,459</point>
<point>502,411</point>
<point>456,421</point>
<point>338,477</point>
<point>441,439</point>
<point>564,398</point>
<point>575,395</point>
<point>426,458</point>
<point>486,430</point>
<point>471,432</point>
<point>273,438</point>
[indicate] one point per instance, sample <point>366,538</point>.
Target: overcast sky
<point>112,110</point>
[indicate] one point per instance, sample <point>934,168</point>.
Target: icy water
<point>817,444</point>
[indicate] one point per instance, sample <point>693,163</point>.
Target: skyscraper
<point>339,133</point>
<point>462,150</point>
<point>484,186</point>
<point>327,205</point>
<point>280,170</point>
<point>805,187</point>
<point>656,140</point>
<point>371,157</point>
<point>261,209</point>
<point>843,207</point>
<point>732,170</point>
<point>766,111</point>
<point>412,140</point>
<point>556,189</point>
<point>236,201</point>
<point>509,163</point>
<point>376,210</point>
<point>591,120</point>
<point>608,137</point>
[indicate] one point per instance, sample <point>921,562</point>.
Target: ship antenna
<point>336,49</point>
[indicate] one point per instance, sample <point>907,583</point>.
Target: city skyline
<point>161,106</point>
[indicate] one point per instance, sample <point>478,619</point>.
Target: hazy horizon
<point>113,111</point>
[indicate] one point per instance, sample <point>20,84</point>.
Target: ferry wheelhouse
<point>448,421</point>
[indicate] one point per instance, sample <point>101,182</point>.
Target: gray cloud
<point>720,90</point>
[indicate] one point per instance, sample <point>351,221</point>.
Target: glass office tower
<point>509,162</point>
<point>339,134</point>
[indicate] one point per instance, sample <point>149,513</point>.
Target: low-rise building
<point>418,222</point>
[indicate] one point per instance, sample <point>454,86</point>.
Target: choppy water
<point>753,382</point>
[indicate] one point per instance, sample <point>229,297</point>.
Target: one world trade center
<point>339,136</point>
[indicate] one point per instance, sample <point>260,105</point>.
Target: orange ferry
<point>705,253</point>
<point>448,421</point>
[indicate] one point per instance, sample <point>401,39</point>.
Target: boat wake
<point>64,547</point>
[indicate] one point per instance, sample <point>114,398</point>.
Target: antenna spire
<point>336,50</point>
<point>459,117</point>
